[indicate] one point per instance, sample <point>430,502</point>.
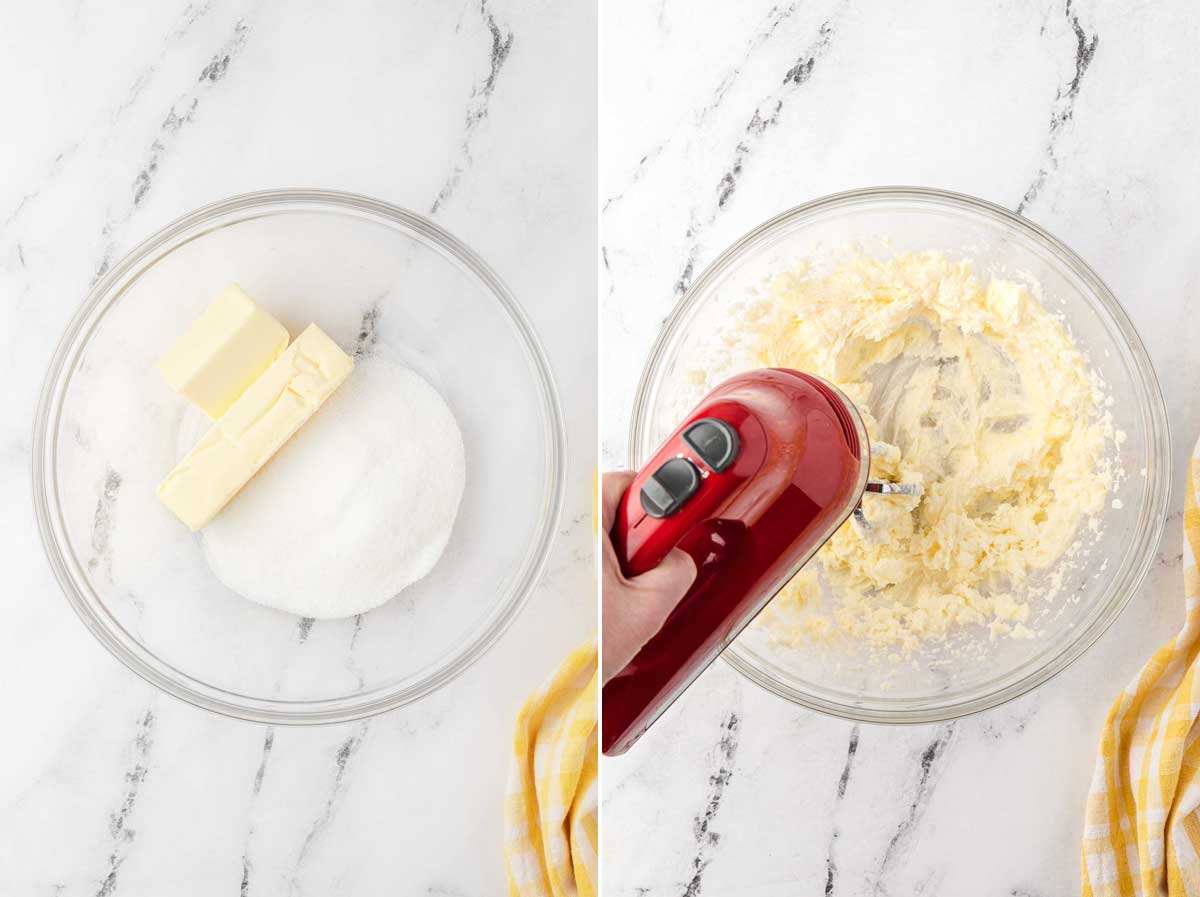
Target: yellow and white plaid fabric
<point>550,844</point>
<point>1142,831</point>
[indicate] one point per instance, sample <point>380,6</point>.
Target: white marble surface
<point>715,116</point>
<point>118,118</point>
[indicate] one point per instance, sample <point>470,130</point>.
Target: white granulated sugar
<point>357,506</point>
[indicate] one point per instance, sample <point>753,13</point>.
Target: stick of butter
<point>255,427</point>
<point>223,352</point>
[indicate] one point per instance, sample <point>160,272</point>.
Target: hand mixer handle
<point>695,472</point>
<point>644,554</point>
<point>798,471</point>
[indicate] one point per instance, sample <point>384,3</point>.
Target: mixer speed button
<point>669,487</point>
<point>714,441</point>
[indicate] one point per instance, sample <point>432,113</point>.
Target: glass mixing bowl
<point>970,671</point>
<point>369,274</point>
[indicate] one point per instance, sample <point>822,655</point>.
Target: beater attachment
<point>879,487</point>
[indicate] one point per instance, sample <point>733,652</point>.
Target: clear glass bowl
<point>970,672</point>
<point>106,433</point>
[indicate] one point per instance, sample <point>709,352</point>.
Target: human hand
<point>634,609</point>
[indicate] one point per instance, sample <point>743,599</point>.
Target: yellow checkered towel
<point>1142,831</point>
<point>550,845</point>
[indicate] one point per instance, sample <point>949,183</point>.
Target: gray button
<point>714,441</point>
<point>669,487</point>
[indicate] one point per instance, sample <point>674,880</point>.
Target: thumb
<point>671,578</point>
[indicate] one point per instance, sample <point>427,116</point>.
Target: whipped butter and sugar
<point>968,387</point>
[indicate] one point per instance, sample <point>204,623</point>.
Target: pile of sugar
<point>356,507</point>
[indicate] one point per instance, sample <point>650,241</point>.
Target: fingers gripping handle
<point>643,541</point>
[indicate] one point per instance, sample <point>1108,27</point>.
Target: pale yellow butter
<point>255,427</point>
<point>223,351</point>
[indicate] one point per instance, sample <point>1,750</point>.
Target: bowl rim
<point>1123,585</point>
<point>107,289</point>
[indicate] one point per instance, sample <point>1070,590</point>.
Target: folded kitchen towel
<point>550,844</point>
<point>1142,831</point>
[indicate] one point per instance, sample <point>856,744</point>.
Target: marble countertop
<point>120,117</point>
<point>715,116</point>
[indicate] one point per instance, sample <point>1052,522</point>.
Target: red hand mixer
<point>756,479</point>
